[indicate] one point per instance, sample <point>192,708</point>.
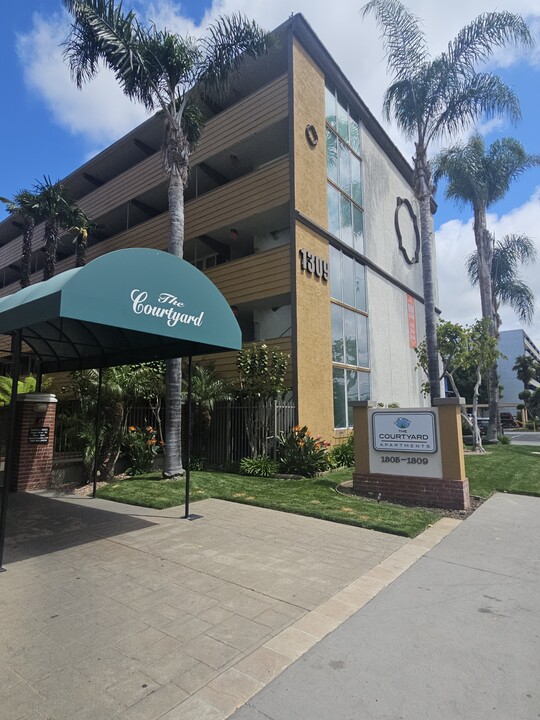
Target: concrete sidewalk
<point>456,636</point>
<point>112,611</point>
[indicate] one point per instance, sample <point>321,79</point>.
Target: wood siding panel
<point>247,117</point>
<point>255,277</point>
<point>253,193</point>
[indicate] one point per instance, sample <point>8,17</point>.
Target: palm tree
<point>165,72</point>
<point>525,369</point>
<point>481,178</point>
<point>26,205</point>
<point>507,286</point>
<point>430,98</point>
<point>82,225</point>
<point>207,389</point>
<point>56,208</point>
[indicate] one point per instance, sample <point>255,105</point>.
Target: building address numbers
<point>313,264</point>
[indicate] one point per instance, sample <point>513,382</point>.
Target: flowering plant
<point>300,453</point>
<point>140,445</point>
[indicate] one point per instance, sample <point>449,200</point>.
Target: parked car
<point>508,420</point>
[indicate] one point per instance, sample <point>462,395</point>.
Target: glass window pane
<point>356,192</point>
<point>333,210</point>
<point>340,420</point>
<point>349,328</point>
<point>346,221</point>
<point>330,105</point>
<point>352,394</point>
<point>337,333</point>
<point>358,229</point>
<point>360,287</point>
<point>363,386</point>
<point>335,273</point>
<point>347,268</point>
<point>354,135</point>
<point>344,168</point>
<point>362,340</point>
<point>331,155</point>
<point>343,119</point>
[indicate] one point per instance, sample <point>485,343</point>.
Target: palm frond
<point>101,31</point>
<point>476,42</point>
<point>519,296</point>
<point>506,160</point>
<point>464,102</point>
<point>230,40</point>
<point>403,38</point>
<point>463,166</point>
<point>471,263</point>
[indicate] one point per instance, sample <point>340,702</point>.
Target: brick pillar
<point>34,441</point>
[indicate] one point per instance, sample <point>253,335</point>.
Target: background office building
<point>299,208</point>
<point>512,344</point>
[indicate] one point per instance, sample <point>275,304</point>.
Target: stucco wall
<point>393,361</point>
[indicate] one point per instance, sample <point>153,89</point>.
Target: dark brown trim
<point>292,222</point>
<point>362,258</point>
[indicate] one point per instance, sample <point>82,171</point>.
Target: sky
<point>48,127</point>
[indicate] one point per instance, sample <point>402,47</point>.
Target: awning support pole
<point>10,436</point>
<point>98,428</point>
<point>188,435</point>
<point>39,378</point>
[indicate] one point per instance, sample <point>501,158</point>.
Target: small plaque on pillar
<point>38,435</point>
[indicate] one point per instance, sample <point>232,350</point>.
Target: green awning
<point>128,306</point>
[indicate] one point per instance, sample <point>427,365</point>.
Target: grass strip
<point>314,497</point>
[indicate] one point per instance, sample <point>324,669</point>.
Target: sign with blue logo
<point>404,431</point>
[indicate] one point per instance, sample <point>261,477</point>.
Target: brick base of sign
<point>33,462</point>
<point>427,492</point>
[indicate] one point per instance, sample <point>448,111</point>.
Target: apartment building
<point>299,208</point>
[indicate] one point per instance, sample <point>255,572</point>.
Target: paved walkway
<point>110,611</point>
<point>456,636</point>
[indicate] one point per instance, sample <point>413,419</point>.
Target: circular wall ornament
<point>312,136</point>
<point>399,223</point>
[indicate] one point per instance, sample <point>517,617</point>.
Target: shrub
<point>503,439</point>
<point>258,466</point>
<point>342,455</point>
<point>197,463</point>
<point>140,446</point>
<point>302,454</point>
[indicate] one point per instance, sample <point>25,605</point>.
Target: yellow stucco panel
<point>309,160</point>
<point>314,340</point>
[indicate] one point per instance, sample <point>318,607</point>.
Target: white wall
<point>271,324</point>
<point>393,374</point>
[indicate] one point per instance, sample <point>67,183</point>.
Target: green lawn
<point>314,497</point>
<point>504,468</point>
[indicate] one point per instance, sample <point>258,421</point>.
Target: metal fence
<point>220,438</point>
<point>236,430</point>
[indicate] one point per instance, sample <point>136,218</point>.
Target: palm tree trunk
<point>423,194</point>
<point>52,232</point>
<point>81,247</point>
<point>172,465</point>
<point>484,248</point>
<point>26,255</point>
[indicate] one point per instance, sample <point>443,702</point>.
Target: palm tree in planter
<point>165,72</point>
<point>82,225</point>
<point>480,178</point>
<point>431,98</point>
<point>507,286</point>
<point>25,205</point>
<point>56,208</point>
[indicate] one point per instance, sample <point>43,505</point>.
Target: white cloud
<point>459,301</point>
<point>100,112</point>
